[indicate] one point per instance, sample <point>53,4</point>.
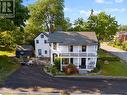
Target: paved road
<point>30,79</point>
<point>115,51</point>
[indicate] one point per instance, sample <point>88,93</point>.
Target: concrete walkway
<point>115,51</point>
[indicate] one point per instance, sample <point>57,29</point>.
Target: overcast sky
<point>81,8</point>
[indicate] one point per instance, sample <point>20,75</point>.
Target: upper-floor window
<point>54,46</point>
<point>45,41</point>
<point>42,36</point>
<point>37,41</point>
<point>71,48</point>
<point>83,48</point>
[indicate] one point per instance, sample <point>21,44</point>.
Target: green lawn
<point>7,65</point>
<point>7,53</point>
<point>113,67</point>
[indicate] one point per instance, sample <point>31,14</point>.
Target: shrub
<point>70,69</point>
<point>98,67</point>
<point>57,63</point>
<point>124,46</point>
<point>53,70</point>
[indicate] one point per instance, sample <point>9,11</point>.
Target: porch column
<point>78,62</point>
<point>61,65</point>
<point>69,60</point>
<point>78,50</point>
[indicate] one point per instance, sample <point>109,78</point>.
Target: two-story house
<point>78,48</point>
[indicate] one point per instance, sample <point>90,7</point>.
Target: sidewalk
<point>115,51</point>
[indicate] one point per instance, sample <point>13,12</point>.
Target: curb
<point>93,77</point>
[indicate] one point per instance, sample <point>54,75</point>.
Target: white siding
<point>75,49</point>
<point>42,45</point>
<point>63,48</point>
<point>92,48</point>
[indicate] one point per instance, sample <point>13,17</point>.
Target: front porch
<point>86,64</point>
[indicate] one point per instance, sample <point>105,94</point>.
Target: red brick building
<point>122,36</point>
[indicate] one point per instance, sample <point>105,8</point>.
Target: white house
<point>78,48</point>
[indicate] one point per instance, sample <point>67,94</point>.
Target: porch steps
<point>83,72</point>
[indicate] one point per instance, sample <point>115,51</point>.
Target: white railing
<point>73,54</point>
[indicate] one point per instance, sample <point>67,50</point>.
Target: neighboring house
<point>24,51</point>
<point>78,48</point>
<point>122,36</point>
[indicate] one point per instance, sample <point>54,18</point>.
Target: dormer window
<point>42,36</point>
<point>54,46</point>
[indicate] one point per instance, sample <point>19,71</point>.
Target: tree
<point>104,25</point>
<point>92,21</point>
<point>6,25</point>
<point>66,24</point>
<point>47,13</point>
<point>79,25</point>
<point>123,28</point>
<point>21,14</point>
<point>7,40</point>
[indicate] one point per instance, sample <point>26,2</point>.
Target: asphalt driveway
<point>33,79</point>
<point>115,51</point>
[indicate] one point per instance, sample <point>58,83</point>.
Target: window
<point>54,46</point>
<point>45,51</point>
<point>89,58</point>
<point>45,41</point>
<point>71,60</point>
<point>37,41</point>
<point>83,48</point>
<point>42,36</point>
<point>71,48</point>
<point>39,51</point>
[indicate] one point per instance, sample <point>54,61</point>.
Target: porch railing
<point>78,54</point>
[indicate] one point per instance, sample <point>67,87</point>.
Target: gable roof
<point>45,33</point>
<point>73,38</point>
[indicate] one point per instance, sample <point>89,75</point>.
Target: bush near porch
<point>7,65</point>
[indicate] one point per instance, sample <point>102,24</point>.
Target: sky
<point>81,8</point>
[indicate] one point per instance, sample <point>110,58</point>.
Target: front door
<point>83,63</point>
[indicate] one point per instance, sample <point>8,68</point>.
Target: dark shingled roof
<point>73,38</point>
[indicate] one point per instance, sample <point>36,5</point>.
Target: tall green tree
<point>47,14</point>
<point>7,40</point>
<point>6,25</point>
<point>21,13</point>
<point>104,25</point>
<point>79,25</point>
<point>66,24</point>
